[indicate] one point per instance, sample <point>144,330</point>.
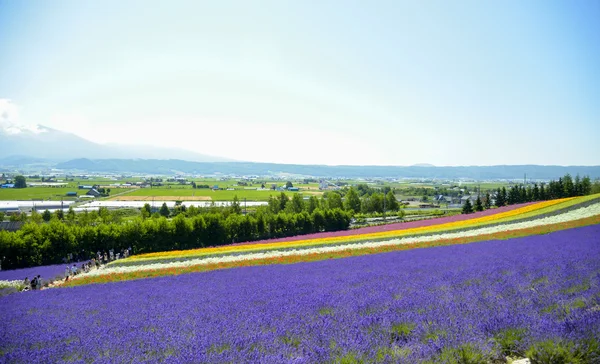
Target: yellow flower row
<point>530,210</point>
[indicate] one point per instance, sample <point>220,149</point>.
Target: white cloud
<point>9,119</point>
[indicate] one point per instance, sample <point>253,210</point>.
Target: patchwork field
<point>516,282</point>
<point>162,198</point>
<point>205,194</point>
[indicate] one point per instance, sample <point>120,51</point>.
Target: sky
<point>313,82</point>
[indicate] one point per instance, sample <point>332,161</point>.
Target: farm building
<point>8,185</point>
<point>293,189</point>
<point>71,194</point>
<point>83,187</point>
<point>93,192</point>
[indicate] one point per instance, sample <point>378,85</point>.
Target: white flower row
<point>572,215</point>
<point>8,284</point>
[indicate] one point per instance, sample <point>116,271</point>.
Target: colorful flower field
<point>508,283</point>
<point>485,301</point>
<point>522,220</point>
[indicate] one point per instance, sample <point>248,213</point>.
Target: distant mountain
<point>159,166</point>
<point>55,145</point>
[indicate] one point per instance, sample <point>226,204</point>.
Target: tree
<point>313,204</point>
<point>569,187</point>
<point>586,186</point>
<point>2,214</point>
<point>488,201</point>
<point>334,200</point>
<point>20,182</point>
<point>283,200</point>
<point>288,184</point>
<point>71,215</point>
<point>352,202</point>
<point>146,211</point>
<point>467,207</point>
<point>235,206</point>
<point>478,204</point>
<point>391,204</point>
<point>19,216</point>
<point>164,210</point>
<point>35,217</point>
<point>46,216</point>
<point>297,204</point>
<point>59,214</point>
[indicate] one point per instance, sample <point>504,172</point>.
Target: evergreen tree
<point>352,202</point>
<point>46,216</point>
<point>164,210</point>
<point>543,195</point>
<point>569,187</point>
<point>500,200</point>
<point>586,186</point>
<point>488,201</point>
<point>535,193</point>
<point>478,204</point>
<point>577,186</point>
<point>467,207</point>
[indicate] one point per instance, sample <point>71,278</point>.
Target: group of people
<point>111,255</point>
<point>71,271</point>
<point>35,283</point>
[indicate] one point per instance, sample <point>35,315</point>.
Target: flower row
<point>497,231</point>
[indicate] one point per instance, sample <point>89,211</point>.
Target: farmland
<point>487,300</point>
<point>512,282</point>
<point>218,195</point>
<point>38,193</point>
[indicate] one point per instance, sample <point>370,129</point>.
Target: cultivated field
<point>206,194</point>
<point>514,282</point>
<point>129,197</point>
<point>39,193</point>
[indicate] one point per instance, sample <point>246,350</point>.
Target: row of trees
<point>565,187</point>
<point>40,244</point>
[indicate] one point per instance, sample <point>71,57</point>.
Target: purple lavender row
<point>47,272</point>
<point>408,306</point>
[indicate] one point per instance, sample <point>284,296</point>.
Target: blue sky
<point>323,82</point>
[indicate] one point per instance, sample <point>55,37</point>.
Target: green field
<point>220,195</point>
<point>39,193</point>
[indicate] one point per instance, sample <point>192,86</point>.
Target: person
<point>26,281</point>
<point>34,283</point>
<point>67,272</point>
<point>39,282</point>
<point>73,270</point>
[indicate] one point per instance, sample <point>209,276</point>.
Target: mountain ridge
<point>169,166</point>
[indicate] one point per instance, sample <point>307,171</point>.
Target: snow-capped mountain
<point>39,141</point>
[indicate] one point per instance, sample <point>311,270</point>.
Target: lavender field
<point>466,303</point>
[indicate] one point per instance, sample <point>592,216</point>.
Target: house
<point>323,185</point>
<point>93,192</point>
<point>215,187</point>
<point>10,225</point>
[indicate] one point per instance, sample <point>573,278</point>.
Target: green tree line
<point>39,243</point>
